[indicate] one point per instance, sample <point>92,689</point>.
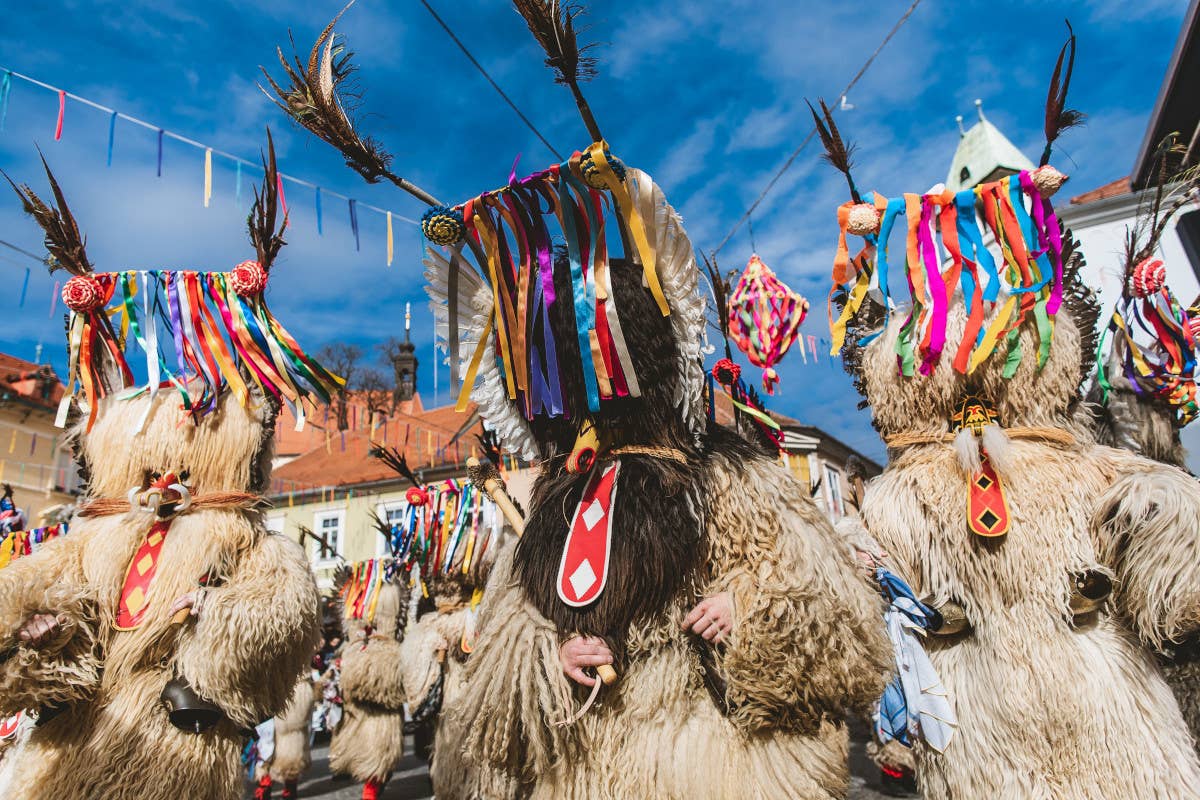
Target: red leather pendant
<point>583,571</point>
<point>987,505</point>
<point>139,578</point>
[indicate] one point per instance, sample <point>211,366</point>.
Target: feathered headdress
<point>1014,212</point>
<point>493,288</point>
<point>1154,337</point>
<point>202,332</point>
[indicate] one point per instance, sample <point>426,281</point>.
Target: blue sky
<point>706,96</point>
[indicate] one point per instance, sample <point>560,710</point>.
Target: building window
<point>393,514</point>
<point>328,526</point>
<point>1188,229</point>
<point>833,492</point>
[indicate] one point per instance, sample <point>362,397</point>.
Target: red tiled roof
<point>342,458</point>
<point>1115,189</point>
<point>22,378</point>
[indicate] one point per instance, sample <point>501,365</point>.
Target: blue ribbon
<point>237,184</point>
<point>895,207</point>
<point>320,227</point>
<point>112,129</point>
<point>585,304</point>
<point>968,231</point>
<point>354,221</point>
<point>24,288</point>
<point>160,145</point>
<point>5,88</point>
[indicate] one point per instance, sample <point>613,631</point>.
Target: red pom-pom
<point>248,279</point>
<point>416,497</point>
<point>726,372</point>
<point>82,294</point>
<point>1149,277</point>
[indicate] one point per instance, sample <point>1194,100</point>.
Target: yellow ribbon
<point>633,221</point>
<point>464,393</point>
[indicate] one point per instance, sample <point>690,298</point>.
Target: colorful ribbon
<point>945,252</point>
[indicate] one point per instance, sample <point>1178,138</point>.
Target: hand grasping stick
<point>486,477</point>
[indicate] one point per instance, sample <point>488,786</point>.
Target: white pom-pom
<point>1048,180</point>
<point>862,220</point>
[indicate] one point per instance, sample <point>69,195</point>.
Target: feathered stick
<point>314,99</point>
<point>552,23</point>
<point>397,461</point>
<point>721,288</point>
<point>67,248</point>
<point>266,237</point>
<point>1058,117</point>
<point>322,542</point>
<point>489,441</point>
<point>1173,191</point>
<point>837,152</point>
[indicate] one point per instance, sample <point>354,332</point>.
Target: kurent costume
<point>1056,563</point>
<point>369,740</point>
<point>133,704</point>
<point>291,752</point>
<point>1145,389</point>
<point>449,535</point>
<point>644,506</point>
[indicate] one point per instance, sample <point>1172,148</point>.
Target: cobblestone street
<point>411,779</point>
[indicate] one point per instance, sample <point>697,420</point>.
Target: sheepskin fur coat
<point>1149,427</point>
<point>698,512</point>
<point>105,732</point>
<point>369,741</point>
<point>1055,698</point>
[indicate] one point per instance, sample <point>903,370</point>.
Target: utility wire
<point>23,251</point>
<point>787,164</point>
<point>495,85</point>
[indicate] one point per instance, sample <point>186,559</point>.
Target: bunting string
<point>162,134</point>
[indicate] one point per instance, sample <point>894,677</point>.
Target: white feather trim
<point>680,283</point>
<point>474,307</point>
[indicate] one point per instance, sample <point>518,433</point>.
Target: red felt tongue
<point>584,567</point>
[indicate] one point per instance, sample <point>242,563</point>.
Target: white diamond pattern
<point>583,578</point>
<point>593,514</point>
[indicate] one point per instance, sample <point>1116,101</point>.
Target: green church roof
<point>983,154</point>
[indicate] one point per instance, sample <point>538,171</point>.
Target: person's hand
<point>583,651</point>
<point>189,601</point>
<point>38,629</point>
<point>712,618</point>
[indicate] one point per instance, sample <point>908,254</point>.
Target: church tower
<point>404,361</point>
<point>984,154</point>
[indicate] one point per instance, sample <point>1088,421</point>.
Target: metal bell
<point>187,710</point>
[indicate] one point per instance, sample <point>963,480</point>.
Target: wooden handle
<point>608,675</point>
<point>181,616</point>
<point>495,490</point>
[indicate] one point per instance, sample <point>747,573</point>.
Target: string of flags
<point>354,207</point>
<point>18,544</point>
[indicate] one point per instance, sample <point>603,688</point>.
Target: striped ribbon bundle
<point>17,544</point>
<point>361,593</point>
<point>450,533</point>
<point>517,226</point>
<point>945,252</point>
<point>1164,369</point>
<point>194,327</point>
